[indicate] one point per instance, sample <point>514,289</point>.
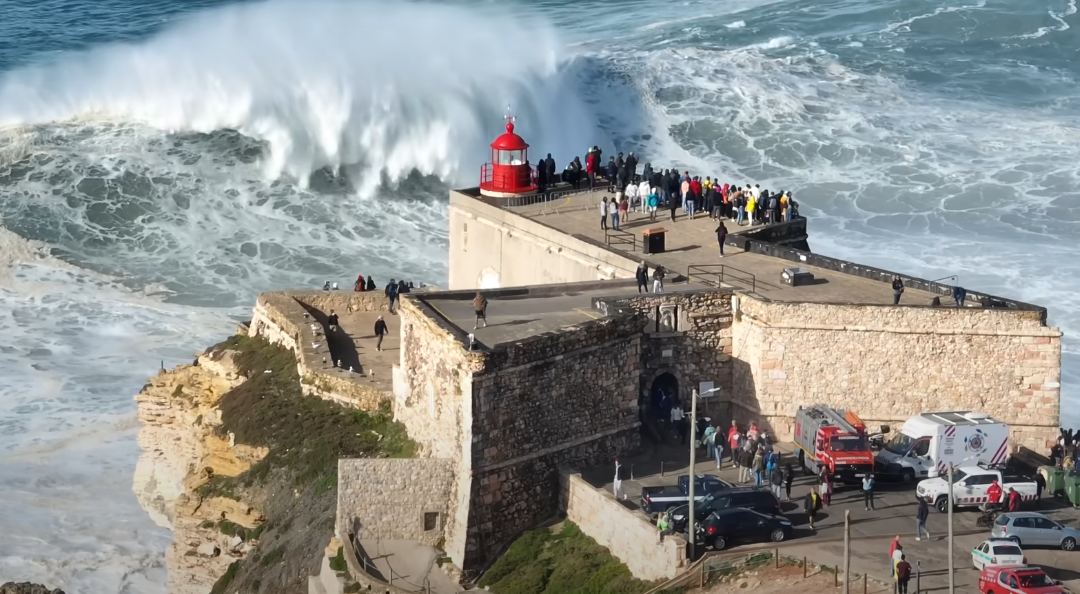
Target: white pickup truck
<point>970,484</point>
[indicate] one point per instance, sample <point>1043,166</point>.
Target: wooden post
<point>864,584</point>
<point>776,558</point>
<point>804,567</point>
<point>661,468</point>
<point>836,576</point>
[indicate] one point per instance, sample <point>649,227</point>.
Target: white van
<point>929,442</point>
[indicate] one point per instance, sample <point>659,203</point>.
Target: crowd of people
<point>655,189</point>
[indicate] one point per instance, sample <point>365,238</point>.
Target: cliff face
<point>178,410</point>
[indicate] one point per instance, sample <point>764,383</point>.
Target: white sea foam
<point>325,84</point>
<point>1063,25</point>
<point>736,25</point>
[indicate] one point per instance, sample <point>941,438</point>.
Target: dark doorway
<point>663,395</point>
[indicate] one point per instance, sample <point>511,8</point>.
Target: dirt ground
<point>787,579</point>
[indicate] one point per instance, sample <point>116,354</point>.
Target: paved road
<point>871,530</point>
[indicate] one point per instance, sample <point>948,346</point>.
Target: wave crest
<point>386,88</point>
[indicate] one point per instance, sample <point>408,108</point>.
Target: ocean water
<point>163,161</point>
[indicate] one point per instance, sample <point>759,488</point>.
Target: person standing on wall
<point>620,476</point>
<point>897,289</point>
<point>658,279</point>
<point>392,293</point>
<point>642,276</point>
<point>921,515</point>
<point>603,214</point>
<point>868,491</point>
<point>480,304</point>
<point>380,332</point>
<point>721,236</point>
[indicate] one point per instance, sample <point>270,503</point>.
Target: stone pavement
<point>870,530</point>
<point>408,565</point>
<point>360,329</point>
<point>515,318</point>
<point>693,242</point>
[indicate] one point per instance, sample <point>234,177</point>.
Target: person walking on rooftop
<point>332,321</point>
<point>921,515</point>
<point>480,304</point>
<point>868,491</point>
<point>380,332</point>
<point>721,236</point>
<point>391,291</point>
<point>897,289</point>
<point>642,277</point>
<point>658,279</point>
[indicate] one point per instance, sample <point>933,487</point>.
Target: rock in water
<point>27,588</point>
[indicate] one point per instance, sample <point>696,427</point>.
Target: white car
<point>996,552</point>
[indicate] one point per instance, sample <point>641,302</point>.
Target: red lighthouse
<point>509,173</point>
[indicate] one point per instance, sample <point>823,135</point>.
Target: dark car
<point>661,499</point>
<point>743,497</point>
<point>734,525</point>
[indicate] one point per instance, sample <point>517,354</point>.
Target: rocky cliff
<point>181,452</point>
<point>27,588</point>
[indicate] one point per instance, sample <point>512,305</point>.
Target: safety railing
<point>618,237</point>
<point>715,274</point>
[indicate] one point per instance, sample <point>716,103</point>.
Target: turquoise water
<point>163,162</point>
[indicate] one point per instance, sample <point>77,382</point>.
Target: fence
<point>547,200</point>
<point>714,274</point>
<point>615,236</point>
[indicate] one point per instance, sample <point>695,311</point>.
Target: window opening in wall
<point>431,520</point>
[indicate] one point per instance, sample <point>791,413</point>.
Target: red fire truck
<point>835,440</point>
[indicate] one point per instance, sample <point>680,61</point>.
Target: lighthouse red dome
<point>509,141</point>
<point>509,173</point>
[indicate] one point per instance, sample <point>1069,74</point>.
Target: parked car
<point>758,500</point>
<point>997,552</point>
<point>659,499</point>
<point>1017,580</point>
<point>729,526</point>
<point>1034,529</point>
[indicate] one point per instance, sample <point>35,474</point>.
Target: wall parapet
<point>297,321</point>
<point>628,535</point>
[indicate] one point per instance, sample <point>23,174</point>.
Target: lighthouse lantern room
<point>509,173</point>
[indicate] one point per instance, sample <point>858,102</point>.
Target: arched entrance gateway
<point>663,394</point>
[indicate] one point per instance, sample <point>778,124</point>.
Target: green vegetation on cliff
<point>293,485</point>
<point>543,561</point>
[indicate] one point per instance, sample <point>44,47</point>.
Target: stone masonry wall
<point>510,498</point>
<point>698,350</point>
<point>888,363</point>
<point>555,388</point>
<point>433,399</point>
<point>626,534</point>
<point>282,319</point>
<point>387,499</point>
<point>560,398</point>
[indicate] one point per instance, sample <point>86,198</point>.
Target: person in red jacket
<point>592,165</point>
<point>993,495</point>
<point>1014,500</point>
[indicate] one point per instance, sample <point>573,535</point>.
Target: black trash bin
<point>653,240</point>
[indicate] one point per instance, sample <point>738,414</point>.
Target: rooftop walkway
<point>693,243</point>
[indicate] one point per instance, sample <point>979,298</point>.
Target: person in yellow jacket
<point>663,523</point>
<point>751,204</point>
<point>783,207</point>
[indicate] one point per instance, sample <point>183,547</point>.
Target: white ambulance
<point>929,442</point>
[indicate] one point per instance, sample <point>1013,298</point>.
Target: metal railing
<point>616,236</point>
<point>715,274</point>
<point>540,197</point>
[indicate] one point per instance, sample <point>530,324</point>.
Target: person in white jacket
<point>644,189</point>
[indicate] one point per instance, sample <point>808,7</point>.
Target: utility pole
<point>847,551</point>
<point>691,521</point>
<point>949,502</point>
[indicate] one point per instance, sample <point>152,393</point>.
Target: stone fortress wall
<point>500,425</point>
<point>887,363</point>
